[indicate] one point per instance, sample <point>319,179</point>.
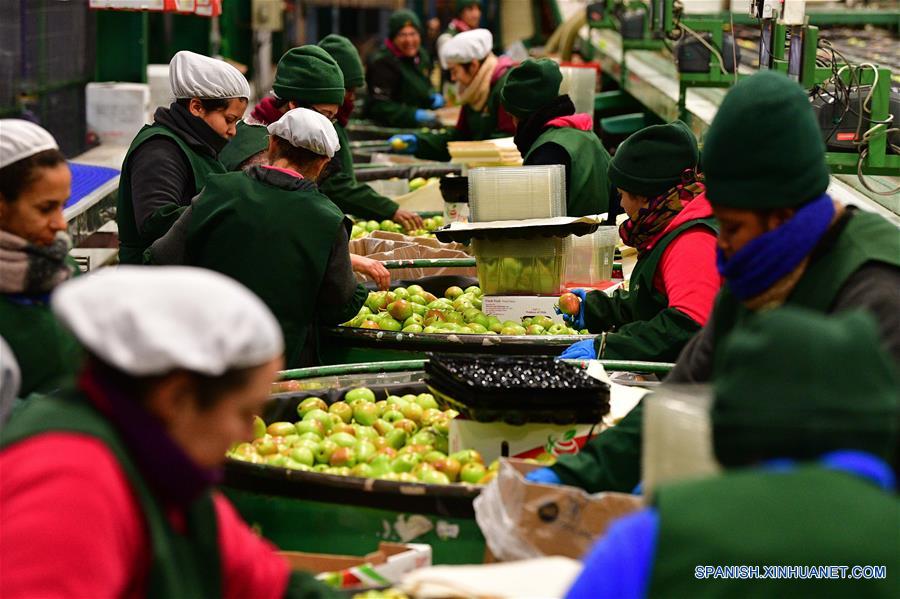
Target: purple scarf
<point>168,470</point>
<point>773,255</point>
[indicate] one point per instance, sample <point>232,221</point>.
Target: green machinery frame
<point>872,157</point>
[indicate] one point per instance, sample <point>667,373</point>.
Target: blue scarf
<point>773,255</point>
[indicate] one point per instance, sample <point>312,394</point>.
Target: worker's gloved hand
<point>583,350</point>
<point>404,143</point>
<point>425,117</point>
<point>577,321</point>
<point>437,101</point>
<point>544,476</point>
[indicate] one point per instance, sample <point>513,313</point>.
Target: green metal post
<point>808,65</point>
<point>121,46</point>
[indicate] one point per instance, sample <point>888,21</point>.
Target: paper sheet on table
<point>542,578</point>
<point>427,198</point>
<point>622,398</point>
<point>391,249</point>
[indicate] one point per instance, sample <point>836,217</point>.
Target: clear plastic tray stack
<point>590,258</point>
<point>517,193</point>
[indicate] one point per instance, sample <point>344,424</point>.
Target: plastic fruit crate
<point>590,257</point>
<point>517,193</point>
<point>516,389</point>
<point>535,266</point>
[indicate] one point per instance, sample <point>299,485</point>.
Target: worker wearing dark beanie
<point>398,77</point>
<point>801,249</point>
<point>670,223</point>
<point>549,132</point>
<point>801,442</point>
<point>306,77</point>
<point>341,185</point>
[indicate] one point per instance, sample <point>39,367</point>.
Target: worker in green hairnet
<point>397,75</point>
<point>808,453</point>
<point>548,131</point>
<point>322,78</point>
<point>783,241</point>
<point>341,185</point>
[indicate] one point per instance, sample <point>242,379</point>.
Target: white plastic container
<point>590,258</point>
<point>517,193</point>
<point>160,90</point>
<point>117,111</point>
<point>581,84</point>
<point>390,187</point>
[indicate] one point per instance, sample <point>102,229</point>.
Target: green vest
<point>248,141</point>
<point>351,196</point>
<point>481,125</point>
<point>182,566</point>
<point>866,237</point>
<point>414,92</point>
<point>589,185</point>
<point>630,312</point>
<point>47,354</point>
<point>132,242</point>
<point>810,516</point>
<point>275,241</point>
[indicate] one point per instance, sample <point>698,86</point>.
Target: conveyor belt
<point>87,179</point>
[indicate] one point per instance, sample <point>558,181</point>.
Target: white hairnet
<point>193,75</point>
<point>304,128</point>
<point>149,321</point>
<point>20,139</point>
<point>467,46</point>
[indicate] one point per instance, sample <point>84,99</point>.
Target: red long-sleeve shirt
<point>687,272</point>
<point>71,527</point>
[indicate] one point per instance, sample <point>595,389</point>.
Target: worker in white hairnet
<point>111,482</point>
<point>35,183</point>
<point>479,75</point>
<point>294,242</point>
<point>169,161</point>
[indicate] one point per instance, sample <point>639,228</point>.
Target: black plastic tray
<point>489,388</point>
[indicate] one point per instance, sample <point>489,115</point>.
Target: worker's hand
<point>373,269</point>
<point>583,350</point>
<point>544,476</point>
<point>577,321</point>
<point>437,101</point>
<point>426,118</point>
<point>404,143</point>
<point>410,220</point>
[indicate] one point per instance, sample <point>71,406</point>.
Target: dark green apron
<point>132,242</point>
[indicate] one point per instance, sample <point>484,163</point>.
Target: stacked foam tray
<point>516,389</point>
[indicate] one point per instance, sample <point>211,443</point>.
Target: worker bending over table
<point>271,229</point>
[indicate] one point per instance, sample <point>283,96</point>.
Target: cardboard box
<point>497,439</point>
<point>117,111</point>
<point>523,520</point>
<point>383,567</point>
<point>401,249</point>
<point>517,307</point>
